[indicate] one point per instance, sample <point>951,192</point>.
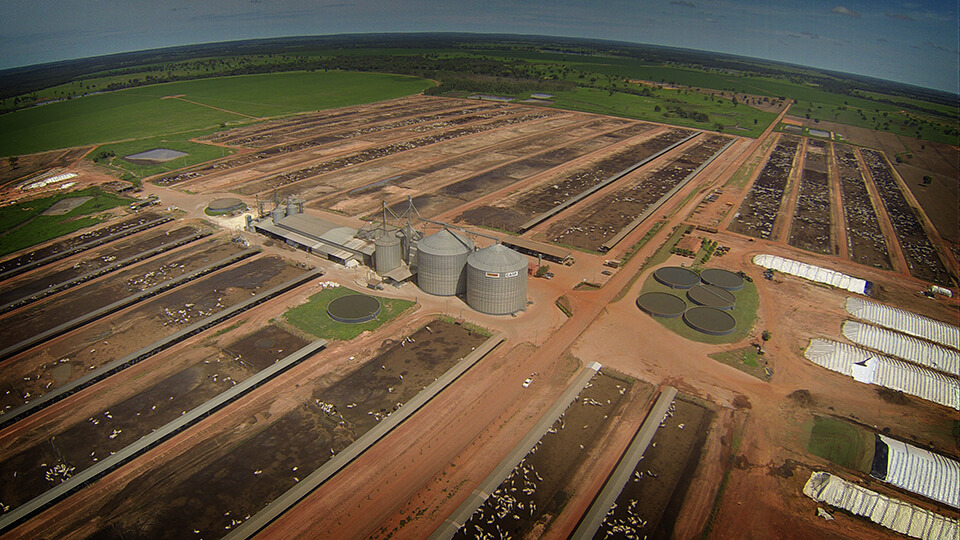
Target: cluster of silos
<point>442,261</point>
<point>493,278</point>
<point>393,247</point>
<point>287,208</point>
<point>497,280</point>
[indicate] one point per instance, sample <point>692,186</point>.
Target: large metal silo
<point>441,262</point>
<point>387,252</point>
<point>497,280</point>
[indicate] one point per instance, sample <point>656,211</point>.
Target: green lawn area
<point>196,153</point>
<point>745,313</point>
<point>736,119</point>
<point>22,226</point>
<point>312,317</point>
<point>138,113</point>
<point>880,117</point>
<point>746,359</point>
<point>845,444</point>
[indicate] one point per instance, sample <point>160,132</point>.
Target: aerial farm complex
<point>450,317</point>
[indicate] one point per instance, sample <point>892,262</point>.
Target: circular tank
<point>292,208</point>
<point>441,263</point>
<point>724,279</point>
<point>712,296</point>
<point>225,205</point>
<point>354,308</point>
<point>387,252</point>
<point>661,304</point>
<point>497,280</point>
<point>710,320</point>
<point>278,213</point>
<point>676,277</point>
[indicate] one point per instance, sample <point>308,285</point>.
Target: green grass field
<point>746,359</point>
<point>845,444</point>
<point>745,313</point>
<point>139,113</point>
<point>738,120</point>
<point>22,225</point>
<point>312,317</point>
<point>880,117</point>
<point>196,153</point>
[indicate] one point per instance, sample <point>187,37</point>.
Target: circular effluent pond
<point>710,320</point>
<point>225,205</point>
<point>710,296</point>
<point>354,308</point>
<point>661,304</point>
<point>724,279</point>
<point>676,277</point>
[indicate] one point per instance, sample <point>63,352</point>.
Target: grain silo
<point>497,280</point>
<point>387,252</point>
<point>441,263</point>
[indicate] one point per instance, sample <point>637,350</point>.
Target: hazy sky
<point>912,42</point>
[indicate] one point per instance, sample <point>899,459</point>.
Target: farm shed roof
<point>872,368</point>
<point>903,346</point>
<point>920,471</point>
<point>891,513</point>
<point>905,321</point>
<point>813,273</point>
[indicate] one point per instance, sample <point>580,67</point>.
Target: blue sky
<point>912,42</point>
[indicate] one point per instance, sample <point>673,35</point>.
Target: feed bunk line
<point>621,475</point>
<point>125,302</point>
<point>462,515</point>
<point>304,487</point>
<point>137,257</point>
<point>609,244</point>
<point>137,356</point>
<point>536,220</point>
<point>83,247</point>
<point>147,442</point>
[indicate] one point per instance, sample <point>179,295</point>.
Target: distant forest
<point>409,54</point>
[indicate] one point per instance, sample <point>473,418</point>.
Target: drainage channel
<point>104,466</point>
<point>150,350</point>
<point>125,302</point>
<point>303,488</point>
<point>619,477</point>
<point>83,247</point>
<point>102,271</point>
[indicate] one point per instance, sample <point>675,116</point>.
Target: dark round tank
<point>711,296</point>
<point>724,279</point>
<point>661,304</point>
<point>710,320</point>
<point>354,308</point>
<point>676,277</point>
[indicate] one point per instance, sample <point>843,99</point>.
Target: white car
<point>527,382</point>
